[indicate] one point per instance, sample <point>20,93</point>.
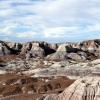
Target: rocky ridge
<point>77,51</point>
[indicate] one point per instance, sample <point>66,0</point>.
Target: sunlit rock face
<point>61,53</point>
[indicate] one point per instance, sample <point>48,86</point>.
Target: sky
<point>49,20</point>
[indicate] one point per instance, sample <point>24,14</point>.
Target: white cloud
<point>26,35</point>
<point>93,28</point>
<point>60,31</point>
<point>50,18</point>
<point>7,30</point>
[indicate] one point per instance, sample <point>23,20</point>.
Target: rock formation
<point>40,70</point>
<point>66,51</point>
<point>61,53</point>
<point>83,89</point>
<point>4,49</point>
<point>76,51</point>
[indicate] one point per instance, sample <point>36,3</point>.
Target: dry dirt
<point>20,87</point>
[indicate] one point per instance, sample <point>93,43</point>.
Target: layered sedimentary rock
<point>66,51</point>
<point>37,49</point>
<point>76,51</point>
<point>30,49</point>
<point>75,60</point>
<point>83,89</point>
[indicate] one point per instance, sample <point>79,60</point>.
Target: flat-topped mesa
<point>87,88</point>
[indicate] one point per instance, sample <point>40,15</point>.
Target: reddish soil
<point>7,58</point>
<point>28,88</point>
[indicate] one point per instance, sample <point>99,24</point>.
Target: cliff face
<point>81,51</point>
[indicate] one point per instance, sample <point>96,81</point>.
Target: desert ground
<point>43,71</point>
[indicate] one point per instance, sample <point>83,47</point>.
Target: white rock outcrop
<point>87,88</point>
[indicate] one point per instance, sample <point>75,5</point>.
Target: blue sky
<point>49,20</point>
